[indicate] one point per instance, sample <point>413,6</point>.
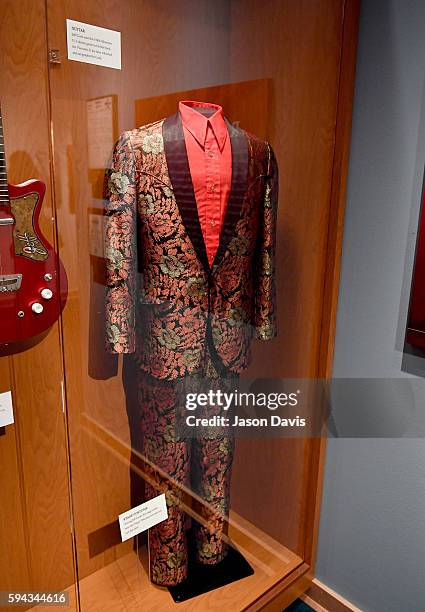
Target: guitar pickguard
<point>26,242</point>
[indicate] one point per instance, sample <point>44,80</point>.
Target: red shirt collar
<point>197,123</point>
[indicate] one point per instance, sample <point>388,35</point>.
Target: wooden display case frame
<point>27,449</point>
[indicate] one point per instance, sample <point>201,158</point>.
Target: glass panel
<point>180,238</point>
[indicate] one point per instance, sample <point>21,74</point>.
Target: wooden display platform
<point>124,584</point>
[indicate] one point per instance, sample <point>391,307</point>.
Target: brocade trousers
<point>202,465</point>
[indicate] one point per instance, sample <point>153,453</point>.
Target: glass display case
<point>194,154</point>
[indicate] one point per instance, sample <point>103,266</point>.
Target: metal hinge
<point>54,56</point>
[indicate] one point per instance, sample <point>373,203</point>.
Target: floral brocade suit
<point>183,317</point>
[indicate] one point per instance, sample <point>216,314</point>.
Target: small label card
<point>93,45</point>
<point>143,517</point>
<point>6,409</point>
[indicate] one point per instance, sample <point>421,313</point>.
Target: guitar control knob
<point>37,308</point>
<point>46,294</point>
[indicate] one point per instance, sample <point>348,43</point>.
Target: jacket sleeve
<point>265,281</point>
<point>121,248</point>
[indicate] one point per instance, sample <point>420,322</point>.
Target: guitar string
<point>5,187</point>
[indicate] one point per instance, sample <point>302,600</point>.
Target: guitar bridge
<point>10,282</point>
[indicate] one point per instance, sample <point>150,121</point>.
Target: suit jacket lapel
<point>179,172</point>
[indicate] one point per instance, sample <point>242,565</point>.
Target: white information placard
<point>93,45</point>
<point>143,517</point>
<point>6,409</point>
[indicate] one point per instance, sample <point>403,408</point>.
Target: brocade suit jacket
<point>163,300</point>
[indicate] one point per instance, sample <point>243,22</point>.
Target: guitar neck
<point>4,190</point>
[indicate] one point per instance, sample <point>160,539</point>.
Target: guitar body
<point>33,282</point>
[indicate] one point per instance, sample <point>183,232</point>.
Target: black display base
<point>203,578</point>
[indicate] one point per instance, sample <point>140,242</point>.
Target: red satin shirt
<point>209,153</point>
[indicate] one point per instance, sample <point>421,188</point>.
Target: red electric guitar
<point>33,283</point>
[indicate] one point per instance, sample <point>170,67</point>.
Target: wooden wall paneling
<point>303,62</point>
<point>297,46</point>
<point>14,570</point>
<point>247,103</point>
<point>37,373</point>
